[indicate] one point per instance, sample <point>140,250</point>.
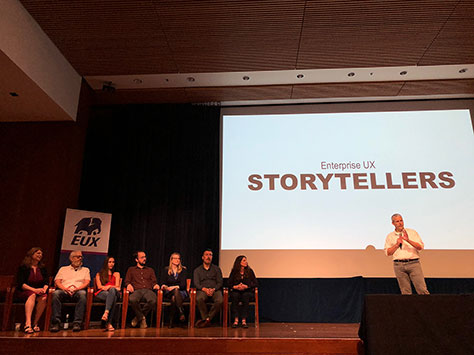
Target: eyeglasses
<point>77,256</point>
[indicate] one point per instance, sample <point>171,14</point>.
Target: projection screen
<point>308,191</point>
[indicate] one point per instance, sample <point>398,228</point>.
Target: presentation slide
<point>331,181</point>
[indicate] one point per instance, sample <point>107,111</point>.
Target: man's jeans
<point>61,296</point>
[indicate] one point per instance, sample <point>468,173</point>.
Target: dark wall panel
<point>40,172</point>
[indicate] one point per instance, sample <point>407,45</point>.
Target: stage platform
<point>269,338</point>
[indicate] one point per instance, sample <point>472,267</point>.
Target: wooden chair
<point>12,304</point>
<point>125,299</point>
<point>6,297</point>
<point>227,308</point>
<point>209,304</point>
<point>93,301</point>
<point>161,304</point>
<point>49,309</point>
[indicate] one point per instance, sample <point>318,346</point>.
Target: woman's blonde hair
<point>180,266</point>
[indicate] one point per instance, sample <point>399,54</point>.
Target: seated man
<point>71,283</point>
<point>208,282</point>
<point>140,281</point>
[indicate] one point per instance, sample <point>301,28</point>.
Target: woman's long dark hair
<point>236,268</point>
<point>104,271</point>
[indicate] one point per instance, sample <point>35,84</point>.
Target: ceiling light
<point>14,94</point>
<point>300,76</point>
<point>137,81</point>
<point>351,74</point>
<point>403,72</point>
<point>190,79</point>
<point>463,70</point>
<point>246,78</point>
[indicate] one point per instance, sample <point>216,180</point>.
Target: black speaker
<point>418,324</point>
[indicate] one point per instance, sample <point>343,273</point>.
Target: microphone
<point>400,234</point>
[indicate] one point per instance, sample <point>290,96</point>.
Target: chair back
<point>7,288</point>
<point>6,281</point>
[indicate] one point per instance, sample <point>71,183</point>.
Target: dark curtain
<point>156,169</point>
<point>331,300</point>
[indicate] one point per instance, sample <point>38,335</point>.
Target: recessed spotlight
<point>167,79</point>
<point>245,78</point>
<point>190,79</point>
<point>137,81</point>
<point>14,94</point>
<point>351,74</point>
<point>300,76</point>
<point>463,70</point>
<point>371,73</point>
<point>403,72</point>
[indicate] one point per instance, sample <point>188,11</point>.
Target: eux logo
<point>86,230</point>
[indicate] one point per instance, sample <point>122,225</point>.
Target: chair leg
<point>192,307</point>
<point>257,320</point>
<point>159,306</point>
<point>7,307</point>
<point>225,307</point>
<point>90,295</point>
<point>47,317</point>
<point>124,308</point>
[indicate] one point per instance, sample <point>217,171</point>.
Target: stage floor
<point>266,330</point>
<point>269,338</point>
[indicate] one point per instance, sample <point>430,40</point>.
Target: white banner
<point>86,231</point>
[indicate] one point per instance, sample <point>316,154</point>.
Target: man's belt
<point>404,260</point>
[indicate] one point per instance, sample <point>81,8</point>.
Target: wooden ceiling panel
<point>438,87</point>
<point>133,37</point>
<point>141,96</point>
<point>105,37</point>
<point>346,90</point>
<point>240,35</point>
<point>239,93</point>
<point>455,43</point>
<point>346,33</point>
<point>114,59</point>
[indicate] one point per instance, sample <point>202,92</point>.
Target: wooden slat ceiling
<point>126,37</point>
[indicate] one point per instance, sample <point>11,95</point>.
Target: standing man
<point>71,283</point>
<point>208,282</point>
<point>140,281</point>
<point>404,245</point>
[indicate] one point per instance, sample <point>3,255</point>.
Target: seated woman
<point>173,280</point>
<point>108,286</point>
<point>242,283</point>
<point>32,281</point>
